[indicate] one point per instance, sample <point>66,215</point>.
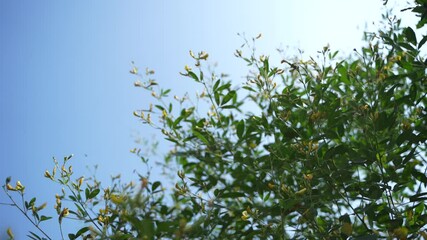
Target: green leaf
<point>418,197</point>
<point>94,193</point>
<point>421,43</point>
<point>215,86</point>
<point>232,195</point>
<point>223,87</point>
<point>161,108</point>
<point>228,107</point>
<point>87,193</point>
<point>410,35</point>
<point>240,128</point>
<point>148,229</point>
<point>81,231</point>
<point>44,218</point>
<point>216,96</point>
<point>200,136</point>
<point>406,45</point>
<point>167,226</point>
<point>228,97</point>
<point>8,179</point>
<point>155,185</point>
<point>193,76</point>
<point>419,176</point>
<point>34,236</point>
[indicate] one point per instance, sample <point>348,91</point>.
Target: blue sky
<point>65,86</point>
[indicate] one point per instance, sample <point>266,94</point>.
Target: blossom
<point>245,216</point>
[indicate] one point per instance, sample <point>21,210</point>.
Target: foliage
<point>329,149</point>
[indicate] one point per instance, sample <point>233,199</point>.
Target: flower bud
<point>47,174</point>
<point>187,68</point>
<point>9,187</point>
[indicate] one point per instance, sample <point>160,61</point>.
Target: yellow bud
<point>100,219</point>
<point>192,54</point>
<point>42,206</point>
<point>271,186</point>
<point>187,68</point>
<point>347,229</point>
<point>134,70</point>
<point>401,232</point>
<point>47,174</point>
<point>181,174</point>
<point>301,192</point>
<point>81,181</point>
<point>144,182</point>
<point>19,185</point>
<point>308,177</point>
<point>10,233</point>
<point>245,216</point>
<point>9,187</point>
<point>117,199</point>
<point>203,55</point>
<point>103,211</point>
<point>137,84</point>
<point>63,214</point>
<point>284,188</point>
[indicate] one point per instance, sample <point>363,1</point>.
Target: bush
<point>329,149</point>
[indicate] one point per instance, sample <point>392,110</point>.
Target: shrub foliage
<point>324,148</point>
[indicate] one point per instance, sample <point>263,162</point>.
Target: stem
<point>60,230</point>
<point>25,214</point>
<point>84,208</point>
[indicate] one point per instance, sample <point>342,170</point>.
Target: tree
<point>332,149</point>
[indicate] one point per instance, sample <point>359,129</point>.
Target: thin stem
<point>7,204</point>
<point>84,208</point>
<point>60,230</point>
<point>25,214</point>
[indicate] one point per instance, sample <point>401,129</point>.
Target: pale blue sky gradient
<point>65,85</point>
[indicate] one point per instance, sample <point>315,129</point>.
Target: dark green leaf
<point>410,35</point>
<point>44,218</point>
<point>155,185</point>
<point>232,195</point>
<point>228,97</point>
<point>94,193</point>
<point>193,76</point>
<point>421,43</point>
<point>240,128</point>
<point>34,236</point>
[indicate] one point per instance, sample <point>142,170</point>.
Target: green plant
<point>332,148</point>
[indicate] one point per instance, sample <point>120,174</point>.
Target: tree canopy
<point>326,148</point>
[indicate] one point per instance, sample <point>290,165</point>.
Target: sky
<point>65,86</point>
